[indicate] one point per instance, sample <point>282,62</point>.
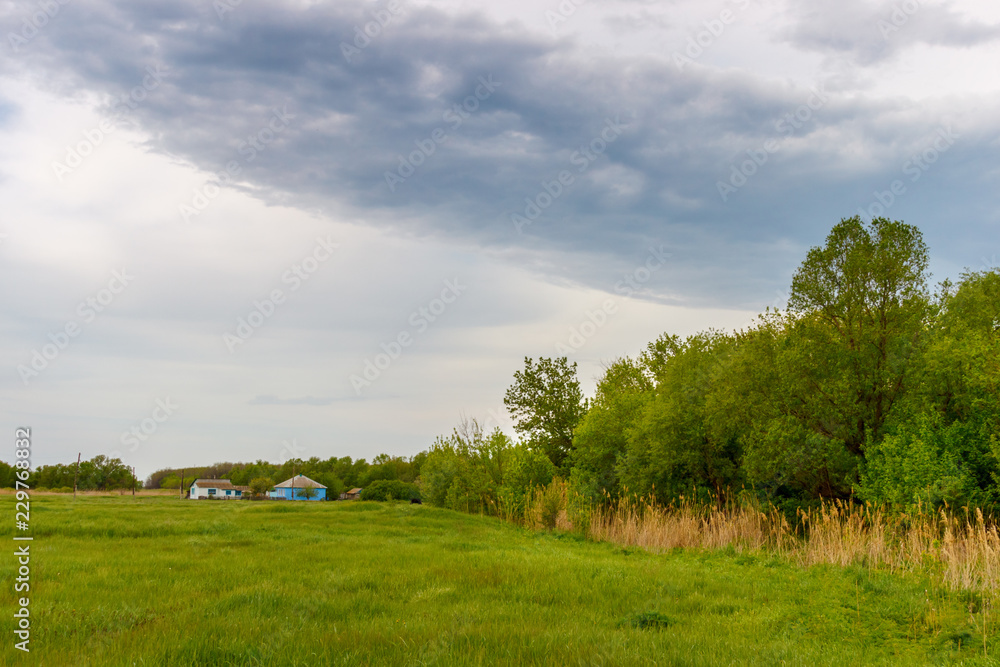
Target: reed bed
<point>960,549</point>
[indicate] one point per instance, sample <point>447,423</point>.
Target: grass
<point>160,581</point>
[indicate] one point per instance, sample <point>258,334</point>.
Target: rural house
<point>216,488</point>
<point>353,494</point>
<point>294,489</point>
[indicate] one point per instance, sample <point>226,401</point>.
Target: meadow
<point>161,581</point>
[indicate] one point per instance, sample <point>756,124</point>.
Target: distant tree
<point>389,489</point>
<point>334,485</point>
<point>259,486</point>
<point>170,482</point>
<point>546,404</point>
<point>309,491</point>
<point>7,475</point>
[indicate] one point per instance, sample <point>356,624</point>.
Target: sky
<point>235,230</point>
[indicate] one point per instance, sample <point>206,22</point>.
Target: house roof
<point>217,484</point>
<point>358,490</point>
<point>298,482</point>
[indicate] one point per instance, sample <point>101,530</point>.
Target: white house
<point>222,489</point>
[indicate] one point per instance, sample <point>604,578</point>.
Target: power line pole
<point>181,486</point>
<point>133,481</point>
<point>76,477</point>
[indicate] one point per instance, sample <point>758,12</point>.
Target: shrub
<point>389,489</point>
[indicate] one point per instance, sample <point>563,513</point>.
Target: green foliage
<point>525,470</point>
<point>309,492</point>
<point>546,404</point>
<point>926,463</point>
<point>8,475</point>
<point>259,486</point>
<point>864,384</point>
<point>600,441</point>
<point>861,303</point>
<point>390,489</point>
<point>438,473</point>
<point>551,505</point>
<point>464,470</point>
<point>808,388</point>
<point>475,472</point>
<point>337,474</point>
<point>676,443</point>
<point>334,485</point>
<point>98,474</point>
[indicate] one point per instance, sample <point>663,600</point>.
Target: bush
<point>389,489</point>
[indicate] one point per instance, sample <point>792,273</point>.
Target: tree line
<point>337,474</point>
<point>100,473</point>
<point>868,385</point>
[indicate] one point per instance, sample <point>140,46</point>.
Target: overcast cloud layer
<point>508,169</point>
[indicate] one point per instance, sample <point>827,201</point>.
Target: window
<point>211,492</point>
<point>239,493</point>
<point>228,492</point>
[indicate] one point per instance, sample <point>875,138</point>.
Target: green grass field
<point>160,581</point>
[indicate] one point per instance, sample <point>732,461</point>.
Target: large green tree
<point>546,404</point>
<point>861,303</point>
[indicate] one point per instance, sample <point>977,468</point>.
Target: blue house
<point>294,489</point>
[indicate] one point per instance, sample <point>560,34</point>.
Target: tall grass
<point>118,582</point>
<point>961,549</point>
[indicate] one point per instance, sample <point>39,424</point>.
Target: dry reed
<point>961,551</point>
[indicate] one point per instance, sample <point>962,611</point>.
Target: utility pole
<point>181,487</point>
<point>133,481</point>
<point>76,477</point>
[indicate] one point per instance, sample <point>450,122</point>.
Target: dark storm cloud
<point>454,125</point>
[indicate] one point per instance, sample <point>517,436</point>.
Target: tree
<point>675,442</point>
<point>309,491</point>
<point>334,485</point>
<point>766,400</point>
<point>464,470</point>
<point>810,387</point>
<point>259,486</point>
<point>546,404</point>
<point>943,447</point>
<point>861,302</point>
<point>600,440</point>
<point>390,489</point>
